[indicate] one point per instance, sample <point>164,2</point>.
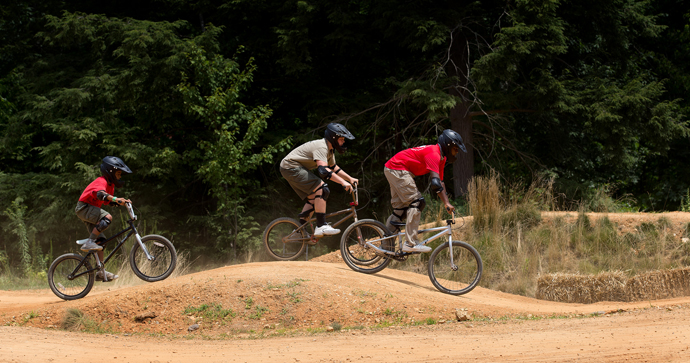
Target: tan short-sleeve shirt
<point>307,154</point>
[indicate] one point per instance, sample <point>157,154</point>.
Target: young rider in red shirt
<point>400,171</point>
<point>101,191</point>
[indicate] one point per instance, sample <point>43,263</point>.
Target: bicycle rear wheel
<point>356,254</point>
<point>460,277</point>
<point>280,241</point>
<point>68,282</point>
<point>164,258</point>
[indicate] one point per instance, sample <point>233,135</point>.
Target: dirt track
<point>504,327</point>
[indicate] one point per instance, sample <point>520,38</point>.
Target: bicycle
<point>152,258</point>
<point>455,267</point>
<point>285,239</point>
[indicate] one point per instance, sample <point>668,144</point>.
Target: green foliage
<point>18,227</point>
<point>685,201</point>
<point>164,101</point>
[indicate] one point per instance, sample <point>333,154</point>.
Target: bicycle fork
<point>453,266</point>
<point>141,244</point>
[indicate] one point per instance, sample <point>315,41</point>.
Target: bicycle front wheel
<point>66,280</point>
<point>163,258</point>
<point>460,276</point>
<point>281,240</point>
<point>359,256</point>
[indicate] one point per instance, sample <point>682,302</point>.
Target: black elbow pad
<point>436,185</point>
<point>324,172</point>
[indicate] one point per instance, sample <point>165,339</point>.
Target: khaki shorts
<point>403,192</point>
<point>302,181</point>
<point>89,214</point>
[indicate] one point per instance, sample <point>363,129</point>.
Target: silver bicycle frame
<point>445,230</point>
<point>141,243</point>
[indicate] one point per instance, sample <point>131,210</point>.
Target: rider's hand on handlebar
<point>450,208</point>
<point>348,187</point>
<point>122,201</point>
<point>354,181</point>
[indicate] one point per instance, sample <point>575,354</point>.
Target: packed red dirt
<point>319,311</point>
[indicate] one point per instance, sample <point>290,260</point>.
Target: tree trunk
<point>460,118</point>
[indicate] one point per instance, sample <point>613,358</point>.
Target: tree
<point>154,93</point>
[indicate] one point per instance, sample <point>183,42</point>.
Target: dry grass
<point>517,248</point>
<point>614,286</point>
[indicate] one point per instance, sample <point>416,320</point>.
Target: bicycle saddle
<point>398,224</point>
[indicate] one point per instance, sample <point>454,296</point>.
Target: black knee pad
<point>325,192</point>
<point>421,204</point>
<point>103,224</point>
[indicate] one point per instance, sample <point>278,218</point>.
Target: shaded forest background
<point>202,99</point>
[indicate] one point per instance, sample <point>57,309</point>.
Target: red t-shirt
<point>419,160</point>
<point>89,194</point>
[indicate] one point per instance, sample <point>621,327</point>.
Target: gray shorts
<point>89,214</point>
<point>302,181</point>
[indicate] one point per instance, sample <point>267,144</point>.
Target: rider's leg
<point>110,219</point>
<point>104,223</point>
<point>320,195</point>
<point>307,210</point>
<point>96,221</point>
<point>404,198</point>
<point>403,192</point>
<point>319,207</point>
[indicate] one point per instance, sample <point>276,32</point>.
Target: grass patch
<point>259,311</point>
<point>294,297</point>
<point>32,314</point>
<point>76,320</point>
<point>211,312</point>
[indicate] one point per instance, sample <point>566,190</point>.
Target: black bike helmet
<point>109,166</point>
<point>335,131</point>
<point>447,140</point>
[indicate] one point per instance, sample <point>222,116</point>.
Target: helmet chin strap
<point>449,158</point>
<point>337,146</point>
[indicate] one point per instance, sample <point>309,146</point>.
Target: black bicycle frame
<point>132,230</point>
<point>351,212</point>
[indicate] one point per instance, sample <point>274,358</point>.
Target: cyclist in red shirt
<point>101,191</point>
<point>400,171</point>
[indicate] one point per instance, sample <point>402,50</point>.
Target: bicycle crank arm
<point>141,244</point>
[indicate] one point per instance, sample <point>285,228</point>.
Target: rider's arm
<point>442,194</point>
<point>102,195</point>
<point>341,173</point>
<point>334,176</point>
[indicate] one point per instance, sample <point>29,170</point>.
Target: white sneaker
<point>111,276</point>
<point>325,230</point>
<point>415,248</point>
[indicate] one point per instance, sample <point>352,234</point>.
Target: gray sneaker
<point>90,245</point>
<point>408,247</point>
<point>111,276</point>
